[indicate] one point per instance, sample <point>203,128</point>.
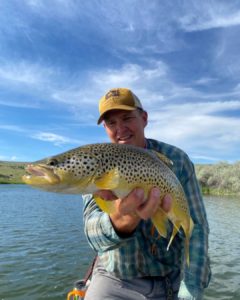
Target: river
<point>43,249</point>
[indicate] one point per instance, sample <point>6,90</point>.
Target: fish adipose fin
<point>160,221</point>
<point>105,205</point>
<point>108,180</point>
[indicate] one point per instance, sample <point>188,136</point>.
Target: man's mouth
<point>124,139</point>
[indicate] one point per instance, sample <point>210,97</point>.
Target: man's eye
<point>128,118</point>
<point>110,123</point>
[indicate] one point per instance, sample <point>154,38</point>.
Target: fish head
<point>70,172</point>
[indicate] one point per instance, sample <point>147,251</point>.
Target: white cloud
<point>12,128</point>
<point>205,15</point>
<point>54,138</point>
<point>199,128</point>
<point>23,72</point>
<point>8,158</point>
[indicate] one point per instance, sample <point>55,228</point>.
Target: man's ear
<point>145,118</point>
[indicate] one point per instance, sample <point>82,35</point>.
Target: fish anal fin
<point>108,180</point>
<point>176,227</point>
<point>105,205</point>
<point>160,221</point>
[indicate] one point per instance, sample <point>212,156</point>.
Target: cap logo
<point>112,93</point>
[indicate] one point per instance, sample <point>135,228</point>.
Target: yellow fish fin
<point>160,221</point>
<point>106,206</point>
<point>174,232</point>
<point>108,181</point>
<point>163,158</point>
<point>191,226</point>
<point>187,251</point>
<point>188,231</point>
<point>188,227</point>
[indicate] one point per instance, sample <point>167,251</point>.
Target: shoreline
<point>205,192</point>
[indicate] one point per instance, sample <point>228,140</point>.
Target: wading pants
<point>105,286</point>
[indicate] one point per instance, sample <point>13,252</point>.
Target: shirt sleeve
<point>98,228</point>
<point>197,274</point>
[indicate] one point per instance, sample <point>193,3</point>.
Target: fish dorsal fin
<point>105,205</point>
<point>163,158</point>
<point>108,180</point>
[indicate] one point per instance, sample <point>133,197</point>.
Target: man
<point>133,262</point>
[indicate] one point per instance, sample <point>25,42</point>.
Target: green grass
<point>11,172</point>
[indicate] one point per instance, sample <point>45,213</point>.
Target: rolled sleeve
<point>98,227</point>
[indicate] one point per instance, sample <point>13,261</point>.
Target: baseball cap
<point>118,98</point>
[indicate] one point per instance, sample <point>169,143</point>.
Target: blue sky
<point>57,58</point>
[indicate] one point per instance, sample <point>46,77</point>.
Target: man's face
<point>126,127</point>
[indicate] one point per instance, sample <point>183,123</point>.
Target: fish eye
<point>53,162</point>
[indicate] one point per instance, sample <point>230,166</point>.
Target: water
<point>43,249</point>
<point>224,240</point>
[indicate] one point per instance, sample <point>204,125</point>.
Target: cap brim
<point>117,107</point>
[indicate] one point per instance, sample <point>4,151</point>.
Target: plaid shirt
<point>144,253</point>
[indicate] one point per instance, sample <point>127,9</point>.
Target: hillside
<point>11,172</point>
<point>215,179</point>
<point>219,179</point>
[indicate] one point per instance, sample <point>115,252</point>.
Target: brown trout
<point>119,168</point>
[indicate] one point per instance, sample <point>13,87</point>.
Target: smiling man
<point>133,261</point>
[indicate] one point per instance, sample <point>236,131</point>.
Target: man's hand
<point>131,209</point>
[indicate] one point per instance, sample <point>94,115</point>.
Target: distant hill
<point>11,172</point>
<point>215,179</point>
<point>219,179</point>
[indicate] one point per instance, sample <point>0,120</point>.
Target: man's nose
<point>120,127</point>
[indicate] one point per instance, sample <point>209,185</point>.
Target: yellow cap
<point>118,98</point>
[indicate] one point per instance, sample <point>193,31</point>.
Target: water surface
<point>43,249</point>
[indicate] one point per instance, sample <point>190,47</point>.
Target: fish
<point>119,168</point>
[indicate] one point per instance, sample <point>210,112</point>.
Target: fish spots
<point>120,168</point>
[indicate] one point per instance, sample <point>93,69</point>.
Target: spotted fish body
<point>119,168</point>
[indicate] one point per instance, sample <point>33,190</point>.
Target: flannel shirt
<point>144,253</point>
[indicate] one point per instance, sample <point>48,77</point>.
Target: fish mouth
<point>40,175</point>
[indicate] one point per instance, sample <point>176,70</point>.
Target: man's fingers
<point>166,203</point>
<point>133,200</point>
<point>148,209</point>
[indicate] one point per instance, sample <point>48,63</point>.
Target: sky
<point>59,57</point>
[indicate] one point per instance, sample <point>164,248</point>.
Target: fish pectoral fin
<point>160,221</point>
<point>163,158</point>
<point>105,205</point>
<point>108,181</point>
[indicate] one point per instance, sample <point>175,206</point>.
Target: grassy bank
<point>11,172</point>
<point>216,179</point>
